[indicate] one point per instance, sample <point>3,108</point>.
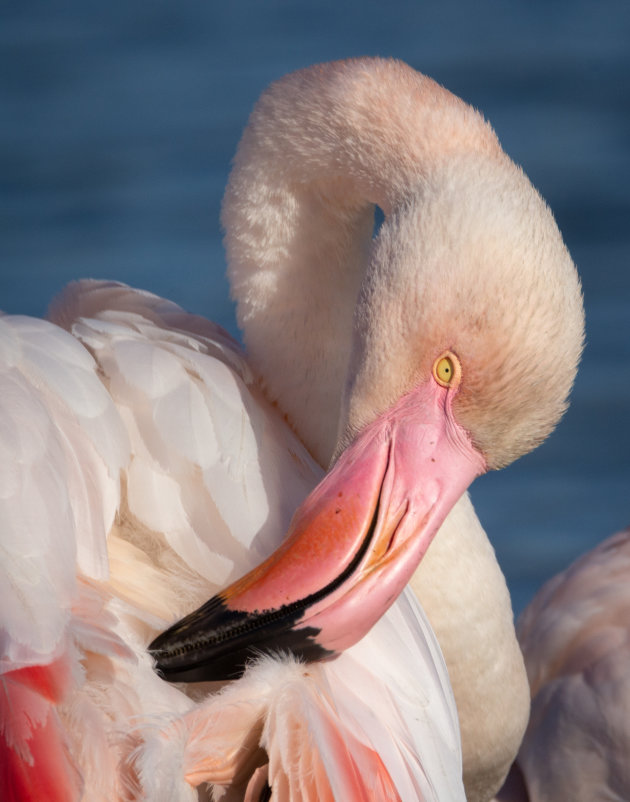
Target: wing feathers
<point>212,461</point>
<point>142,431</point>
<point>65,445</point>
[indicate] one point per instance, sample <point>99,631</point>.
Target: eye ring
<point>447,370</point>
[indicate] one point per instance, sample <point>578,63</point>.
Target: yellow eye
<point>447,370</point>
<point>444,369</point>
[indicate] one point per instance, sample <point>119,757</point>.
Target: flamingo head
<point>467,332</point>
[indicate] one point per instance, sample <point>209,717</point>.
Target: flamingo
<point>162,463</point>
<point>574,636</point>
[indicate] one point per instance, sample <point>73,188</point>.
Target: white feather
<point>62,446</point>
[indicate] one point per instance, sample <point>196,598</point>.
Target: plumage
<point>169,463</point>
<point>321,739</point>
<point>111,712</point>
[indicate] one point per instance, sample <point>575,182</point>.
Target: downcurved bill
<point>352,546</point>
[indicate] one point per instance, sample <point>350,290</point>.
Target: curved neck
<point>322,146</point>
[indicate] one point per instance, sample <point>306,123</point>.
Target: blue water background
<point>119,120</point>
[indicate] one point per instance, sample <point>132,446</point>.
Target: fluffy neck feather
<point>321,148</point>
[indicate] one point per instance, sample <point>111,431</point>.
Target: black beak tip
<point>215,643</point>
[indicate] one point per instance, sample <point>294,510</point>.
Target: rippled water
<point>119,120</point>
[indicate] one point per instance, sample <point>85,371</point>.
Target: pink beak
<point>351,548</point>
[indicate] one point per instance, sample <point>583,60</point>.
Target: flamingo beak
<point>351,548</point>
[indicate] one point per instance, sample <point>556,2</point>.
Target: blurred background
<point>119,120</point>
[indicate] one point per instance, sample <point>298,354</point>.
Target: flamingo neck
<point>322,147</point>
